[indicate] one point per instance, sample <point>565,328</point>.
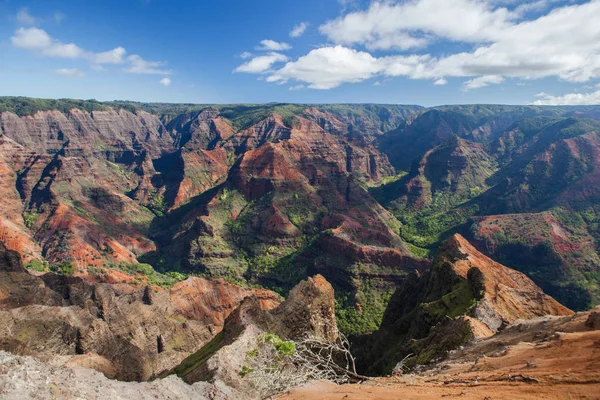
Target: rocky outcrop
<point>23,377</point>
<point>504,295</point>
<point>309,310</point>
<point>134,332</point>
<point>465,296</point>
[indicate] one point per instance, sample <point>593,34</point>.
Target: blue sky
<point>426,52</point>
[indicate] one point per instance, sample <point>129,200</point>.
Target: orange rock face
<point>510,294</point>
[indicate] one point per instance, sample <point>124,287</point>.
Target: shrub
<point>65,268</point>
<point>277,365</point>
<point>30,218</point>
<point>157,204</point>
<point>37,265</point>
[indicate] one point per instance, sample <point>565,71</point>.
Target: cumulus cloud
<point>25,18</point>
<point>441,81</point>
<point>38,41</point>
<point>299,29</point>
<point>568,99</point>
<point>71,72</point>
<point>31,39</point>
<point>61,50</point>
<point>341,63</point>
<point>165,81</point>
<point>271,45</point>
<point>504,41</point>
<point>385,25</point>
<point>245,55</point>
<point>114,56</point>
<point>261,64</point>
<point>482,81</point>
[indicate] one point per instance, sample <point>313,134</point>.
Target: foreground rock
<point>308,311</point>
<point>126,332</point>
<point>465,296</point>
<point>23,378</point>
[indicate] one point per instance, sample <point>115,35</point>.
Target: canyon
<point>148,241</point>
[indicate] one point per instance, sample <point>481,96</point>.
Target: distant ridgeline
<point>270,194</point>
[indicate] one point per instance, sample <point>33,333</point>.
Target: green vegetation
<point>37,265</point>
<point>452,304</point>
<point>157,204</point>
<point>362,312</point>
<point>65,268</point>
<point>427,228</point>
<point>532,245</point>
<point>245,370</point>
<point>30,218</point>
<point>476,280</point>
<point>146,272</point>
<point>29,106</point>
<point>198,358</point>
<point>283,347</point>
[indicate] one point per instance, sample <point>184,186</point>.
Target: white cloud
<point>31,39</point>
<point>165,81</point>
<point>37,40</point>
<point>297,87</point>
<point>328,67</point>
<point>406,25</point>
<point>245,55</point>
<point>482,81</point>
<point>441,81</point>
<point>25,18</point>
<point>271,45</point>
<point>568,99</point>
<point>71,72</point>
<point>114,56</point>
<point>261,64</point>
<point>137,65</point>
<point>299,29</point>
<point>377,83</point>
<point>61,50</point>
<point>561,43</point>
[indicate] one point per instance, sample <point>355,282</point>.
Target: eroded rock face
<point>136,332</point>
<point>507,295</point>
<point>85,182</point>
<point>308,310</point>
<point>294,193</point>
<point>465,296</point>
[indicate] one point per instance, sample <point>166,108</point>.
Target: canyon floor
<point>544,358</point>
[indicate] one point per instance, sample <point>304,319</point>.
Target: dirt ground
<point>430,391</point>
<point>544,358</point>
